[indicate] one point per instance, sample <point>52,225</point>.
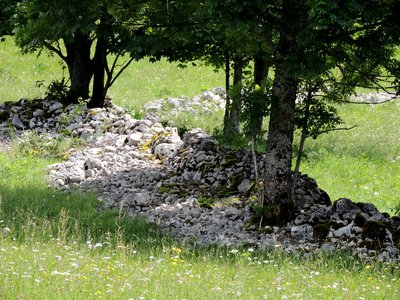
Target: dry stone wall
<point>192,186</point>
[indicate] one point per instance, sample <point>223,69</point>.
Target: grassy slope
<point>139,84</point>
<point>44,249</point>
<point>57,246</point>
<point>361,164</point>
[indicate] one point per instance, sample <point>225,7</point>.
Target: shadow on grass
<point>40,214</point>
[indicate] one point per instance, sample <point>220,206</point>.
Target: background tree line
<point>272,52</point>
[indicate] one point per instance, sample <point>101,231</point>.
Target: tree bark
<point>227,86</point>
<point>232,124</point>
<point>260,74</point>
<point>79,66</point>
<point>260,69</point>
<point>278,159</point>
<point>99,61</point>
<point>278,204</point>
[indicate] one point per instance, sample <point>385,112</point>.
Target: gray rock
<point>343,231</point>
<point>119,123</point>
<point>139,199</point>
<point>77,174</point>
<point>328,247</point>
<point>345,206</point>
<point>16,121</point>
<point>302,232</point>
<point>93,163</point>
<point>135,139</point>
<point>165,150</point>
<point>143,128</point>
<point>55,106</point>
<point>121,141</point>
<point>244,185</point>
<point>38,113</point>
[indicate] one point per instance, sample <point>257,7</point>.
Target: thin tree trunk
<point>227,86</point>
<point>304,135</point>
<point>260,69</point>
<point>232,125</point>
<point>260,73</point>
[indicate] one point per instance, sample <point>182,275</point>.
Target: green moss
<point>359,220</point>
<point>229,159</point>
<point>375,232</point>
<point>206,202</point>
<point>164,189</point>
<point>235,180</point>
<point>321,231</point>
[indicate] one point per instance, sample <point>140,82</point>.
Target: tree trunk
<point>260,73</point>
<point>278,160</point>
<point>260,69</point>
<point>79,66</point>
<point>279,206</point>
<point>227,86</point>
<point>232,124</point>
<point>99,93</point>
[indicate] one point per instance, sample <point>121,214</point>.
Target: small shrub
<point>66,118</point>
<point>57,90</point>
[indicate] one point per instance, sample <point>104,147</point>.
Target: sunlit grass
<point>361,164</point>
<point>141,82</point>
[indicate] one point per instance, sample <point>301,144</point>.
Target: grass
<point>361,164</point>
<point>57,245</point>
<point>60,246</point>
<point>140,83</point>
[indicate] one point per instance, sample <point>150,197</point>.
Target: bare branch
<point>121,70</point>
<point>336,129</point>
<point>56,50</point>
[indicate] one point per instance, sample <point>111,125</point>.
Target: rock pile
<point>204,103</point>
<point>197,189</point>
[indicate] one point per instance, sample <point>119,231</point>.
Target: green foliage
<point>256,106</point>
<point>7,10</point>
<point>315,116</point>
<point>66,118</point>
<point>206,202</point>
<point>57,90</point>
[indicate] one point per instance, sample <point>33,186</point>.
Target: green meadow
<point>59,246</point>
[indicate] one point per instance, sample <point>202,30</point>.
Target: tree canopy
<point>83,34</point>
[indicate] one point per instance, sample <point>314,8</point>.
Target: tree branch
<point>336,129</point>
<point>56,50</point>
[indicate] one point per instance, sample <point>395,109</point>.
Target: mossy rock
<point>206,202</point>
<point>235,180</point>
<point>359,220</point>
<point>321,231</point>
<point>164,189</point>
<point>336,225</point>
<point>376,232</point>
<point>4,115</point>
<point>229,160</point>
